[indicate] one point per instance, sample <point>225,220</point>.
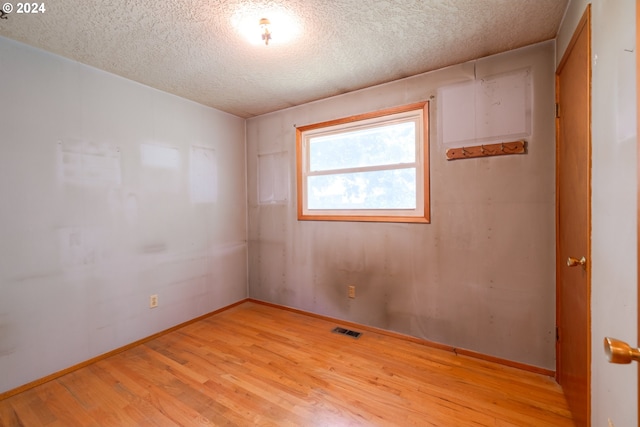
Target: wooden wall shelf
<point>501,149</point>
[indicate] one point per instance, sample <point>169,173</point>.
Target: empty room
<point>319,213</point>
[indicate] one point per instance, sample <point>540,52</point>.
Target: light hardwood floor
<point>258,365</point>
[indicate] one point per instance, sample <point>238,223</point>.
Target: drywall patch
<point>625,98</point>
<point>159,156</point>
<point>204,175</point>
<point>80,247</point>
<point>7,338</point>
<point>123,202</point>
<point>154,248</point>
<point>88,163</point>
<point>273,178</point>
<point>130,208</point>
<point>495,108</point>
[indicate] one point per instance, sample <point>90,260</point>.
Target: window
<point>371,167</point>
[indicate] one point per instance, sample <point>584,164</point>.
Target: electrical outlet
<point>153,301</point>
<point>352,291</point>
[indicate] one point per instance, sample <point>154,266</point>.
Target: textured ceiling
<point>193,48</point>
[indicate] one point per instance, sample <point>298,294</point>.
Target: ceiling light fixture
<point>264,28</point>
<point>251,22</point>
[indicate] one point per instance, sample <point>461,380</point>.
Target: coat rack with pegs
<point>501,149</point>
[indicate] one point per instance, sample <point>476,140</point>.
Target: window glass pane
<point>382,145</point>
<point>388,189</point>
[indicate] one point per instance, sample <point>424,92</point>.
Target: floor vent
<point>343,331</point>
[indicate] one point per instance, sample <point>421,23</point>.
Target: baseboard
<point>80,365</point>
<point>460,351</point>
<point>456,350</point>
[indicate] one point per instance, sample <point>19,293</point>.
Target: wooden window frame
<point>422,161</point>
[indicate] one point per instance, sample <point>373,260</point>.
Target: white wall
<point>481,276</point>
<point>614,201</point>
<point>98,211</point>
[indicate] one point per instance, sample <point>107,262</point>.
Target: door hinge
<point>557,110</point>
<point>557,334</point>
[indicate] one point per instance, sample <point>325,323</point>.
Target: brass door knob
<point>572,262</point>
<point>619,351</point>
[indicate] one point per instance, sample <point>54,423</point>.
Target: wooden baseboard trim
<point>433,344</point>
<point>459,351</point>
<point>80,365</point>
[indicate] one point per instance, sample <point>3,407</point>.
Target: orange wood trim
<point>433,344</point>
<point>425,218</point>
<point>426,167</point>
<point>352,218</point>
<point>299,163</point>
<point>638,180</point>
<point>502,149</point>
<point>505,362</point>
<point>587,18</point>
<point>380,113</point>
<point>93,360</point>
<point>557,221</point>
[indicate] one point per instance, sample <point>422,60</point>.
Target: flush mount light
<point>264,28</point>
<point>281,26</point>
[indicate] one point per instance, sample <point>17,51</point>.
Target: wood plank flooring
<point>259,365</point>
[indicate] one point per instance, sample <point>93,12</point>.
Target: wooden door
<point>573,221</point>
